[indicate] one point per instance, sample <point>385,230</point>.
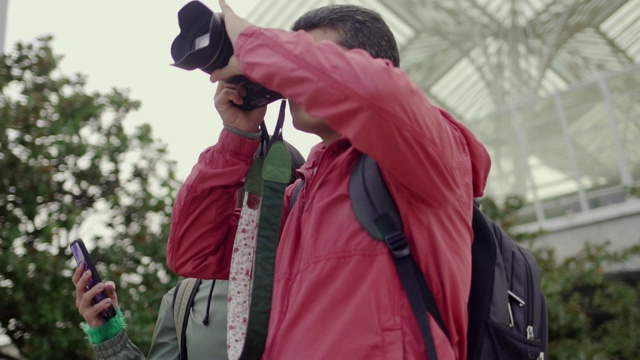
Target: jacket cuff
<point>112,347</point>
<point>241,146</point>
<point>244,134</point>
<point>244,37</point>
<point>107,330</point>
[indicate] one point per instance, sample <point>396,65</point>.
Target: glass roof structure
<point>552,87</point>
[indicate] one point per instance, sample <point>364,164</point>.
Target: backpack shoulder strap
<point>183,296</point>
<point>377,212</point>
<point>175,294</point>
<point>487,278</point>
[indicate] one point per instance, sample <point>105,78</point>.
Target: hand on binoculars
<point>233,23</point>
<point>227,97</point>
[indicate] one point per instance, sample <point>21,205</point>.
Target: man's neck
<point>329,138</point>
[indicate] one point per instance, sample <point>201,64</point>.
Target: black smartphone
<point>82,256</point>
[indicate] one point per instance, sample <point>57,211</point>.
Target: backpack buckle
<point>397,244</point>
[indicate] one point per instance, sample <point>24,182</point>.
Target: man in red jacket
<point>336,293</point>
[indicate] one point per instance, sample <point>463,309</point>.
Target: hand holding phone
<point>81,254</point>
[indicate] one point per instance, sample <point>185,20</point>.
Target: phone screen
<point>82,256</point>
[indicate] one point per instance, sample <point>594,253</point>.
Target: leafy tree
<point>594,311</point>
<point>68,167</point>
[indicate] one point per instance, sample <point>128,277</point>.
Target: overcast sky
<point>126,44</point>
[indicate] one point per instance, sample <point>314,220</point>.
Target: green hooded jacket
<point>203,341</point>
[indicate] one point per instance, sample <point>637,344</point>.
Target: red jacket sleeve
<point>369,101</point>
<point>204,218</point>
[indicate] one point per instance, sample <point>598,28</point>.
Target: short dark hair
<point>361,28</point>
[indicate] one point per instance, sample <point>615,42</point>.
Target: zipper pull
<point>511,323</point>
<point>530,332</point>
<point>516,298</point>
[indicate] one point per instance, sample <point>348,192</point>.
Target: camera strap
<point>276,173</point>
<point>243,254</point>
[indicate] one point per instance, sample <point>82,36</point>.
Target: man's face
<point>301,120</point>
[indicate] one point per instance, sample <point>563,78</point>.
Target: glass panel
<point>568,152</point>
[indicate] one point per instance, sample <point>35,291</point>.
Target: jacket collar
<point>320,150</point>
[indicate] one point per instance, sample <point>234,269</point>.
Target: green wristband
<point>108,330</point>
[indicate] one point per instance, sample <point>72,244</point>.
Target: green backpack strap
<point>183,296</point>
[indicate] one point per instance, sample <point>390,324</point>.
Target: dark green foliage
<point>69,168</point>
<point>594,310</point>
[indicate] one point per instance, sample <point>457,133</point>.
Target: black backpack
<point>507,308</point>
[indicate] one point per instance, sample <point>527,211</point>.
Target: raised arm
<point>369,101</point>
<point>204,219</point>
